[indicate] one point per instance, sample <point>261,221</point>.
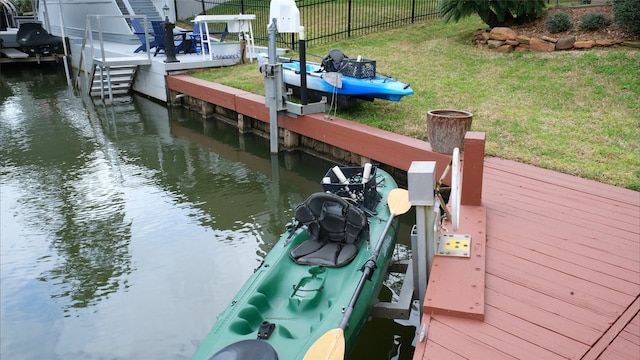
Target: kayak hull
<point>290,306</point>
<point>377,87</point>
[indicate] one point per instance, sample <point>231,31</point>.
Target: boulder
<point>539,45</point>
<point>494,44</point>
<point>523,39</point>
<point>505,48</point>
<point>549,39</point>
<point>584,44</point>
<point>502,33</point>
<point>565,43</point>
<point>605,42</point>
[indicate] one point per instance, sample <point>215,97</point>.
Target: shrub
<point>492,12</point>
<point>626,15</point>
<point>558,22</point>
<point>593,21</point>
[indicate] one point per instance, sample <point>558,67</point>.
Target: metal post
<point>421,180</point>
<point>303,69</point>
<point>273,87</point>
<point>170,48</point>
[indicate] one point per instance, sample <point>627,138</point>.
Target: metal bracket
<point>298,109</point>
<point>458,245</point>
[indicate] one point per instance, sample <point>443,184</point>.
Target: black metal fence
<point>328,20</point>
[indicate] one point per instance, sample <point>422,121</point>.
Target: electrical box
<point>421,179</point>
<point>286,14</point>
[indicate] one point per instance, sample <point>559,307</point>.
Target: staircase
<point>111,80</point>
<point>144,7</point>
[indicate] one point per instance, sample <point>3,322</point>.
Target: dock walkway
<point>563,272</point>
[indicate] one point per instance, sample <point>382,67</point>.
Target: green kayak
<point>335,248</point>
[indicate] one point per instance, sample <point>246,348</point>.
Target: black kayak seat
<point>246,349</point>
<point>335,228</point>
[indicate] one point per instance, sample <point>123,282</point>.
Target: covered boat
<point>332,261</point>
<point>34,40</point>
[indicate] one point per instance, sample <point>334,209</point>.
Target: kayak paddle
<point>331,345</point>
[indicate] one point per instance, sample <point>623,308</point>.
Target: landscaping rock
<point>494,44</point>
<point>502,33</point>
<point>565,43</point>
<point>605,42</point>
<point>512,42</point>
<point>523,39</point>
<point>522,47</point>
<point>584,44</point>
<point>549,39</point>
<point>540,45</point>
<point>505,48</point>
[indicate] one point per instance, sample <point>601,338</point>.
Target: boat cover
<point>35,40</point>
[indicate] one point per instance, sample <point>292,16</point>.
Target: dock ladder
<point>113,75</point>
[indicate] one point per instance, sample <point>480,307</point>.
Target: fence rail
<point>329,20</point>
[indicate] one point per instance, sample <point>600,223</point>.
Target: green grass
<point>576,112</point>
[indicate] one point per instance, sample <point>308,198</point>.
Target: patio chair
<point>160,43</point>
<point>196,36</point>
<point>138,29</point>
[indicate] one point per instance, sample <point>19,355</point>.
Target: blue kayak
<point>335,82</point>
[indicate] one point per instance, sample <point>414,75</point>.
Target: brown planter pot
<point>446,129</point>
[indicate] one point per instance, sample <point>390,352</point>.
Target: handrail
<point>89,37</point>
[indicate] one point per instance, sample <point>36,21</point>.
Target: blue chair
<point>159,39</point>
<point>198,39</point>
<point>196,35</point>
<point>138,29</point>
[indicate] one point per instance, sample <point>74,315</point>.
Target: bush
<point>626,15</point>
<point>593,21</point>
<point>492,12</point>
<point>558,22</point>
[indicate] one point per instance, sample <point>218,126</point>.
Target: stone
<point>502,33</point>
<point>512,42</point>
<point>549,39</point>
<point>539,45</point>
<point>605,42</point>
<point>523,39</point>
<point>494,44</point>
<point>632,44</point>
<point>504,49</point>
<point>565,43</point>
<point>584,44</point>
<point>522,47</point>
<point>479,31</point>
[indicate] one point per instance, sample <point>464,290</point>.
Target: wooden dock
<point>561,254</point>
<point>562,272</point>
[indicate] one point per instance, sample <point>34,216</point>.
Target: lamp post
<point>167,28</point>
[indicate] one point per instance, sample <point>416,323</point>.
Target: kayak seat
<point>246,349</point>
<point>335,229</point>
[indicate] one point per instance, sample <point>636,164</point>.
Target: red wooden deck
<point>562,272</point>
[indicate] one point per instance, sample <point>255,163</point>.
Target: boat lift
<point>285,18</point>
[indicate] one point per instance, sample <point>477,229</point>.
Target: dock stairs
<point>107,74</point>
<point>113,80</point>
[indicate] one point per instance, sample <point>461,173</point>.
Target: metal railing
<point>329,20</point>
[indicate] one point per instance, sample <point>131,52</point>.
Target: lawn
<point>576,112</point>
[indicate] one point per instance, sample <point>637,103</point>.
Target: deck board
<point>563,272</point>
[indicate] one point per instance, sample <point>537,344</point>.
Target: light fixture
<point>166,9</point>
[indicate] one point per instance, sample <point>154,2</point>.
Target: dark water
<point>126,228</point>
